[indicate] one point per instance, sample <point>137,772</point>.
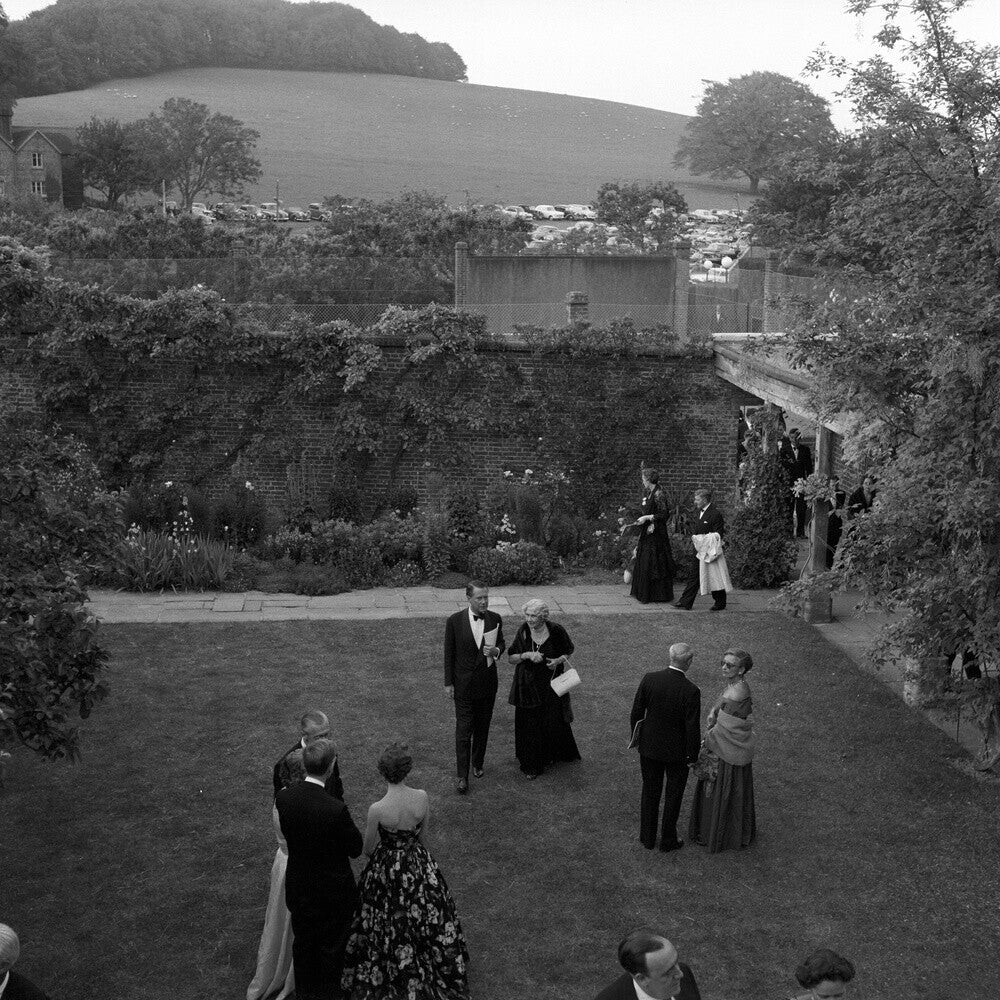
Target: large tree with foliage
<point>113,158</point>
<point>645,212</point>
<point>908,340</point>
<point>197,152</point>
<point>748,124</point>
<point>57,525</point>
<point>11,62</point>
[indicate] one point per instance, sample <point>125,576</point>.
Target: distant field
<point>374,136</point>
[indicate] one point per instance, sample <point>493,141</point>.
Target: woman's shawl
<point>732,739</point>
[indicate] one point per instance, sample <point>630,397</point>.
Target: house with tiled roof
<point>39,163</point>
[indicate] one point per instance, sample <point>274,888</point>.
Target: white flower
<point>527,472</point>
<point>248,485</point>
<point>168,484</point>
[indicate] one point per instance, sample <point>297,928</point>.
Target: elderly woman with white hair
<point>542,732</point>
<point>14,986</point>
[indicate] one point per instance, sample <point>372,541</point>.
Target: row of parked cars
<point>547,212</point>
<point>228,211</point>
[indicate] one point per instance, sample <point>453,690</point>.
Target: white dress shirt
<point>639,991</point>
<point>478,627</point>
<point>3,985</point>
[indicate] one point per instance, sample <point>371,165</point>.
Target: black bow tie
<point>477,618</point>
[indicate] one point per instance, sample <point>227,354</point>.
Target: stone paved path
<point>383,602</point>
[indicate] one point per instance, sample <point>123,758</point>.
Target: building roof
<point>62,139</point>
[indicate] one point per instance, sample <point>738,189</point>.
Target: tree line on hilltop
<point>76,43</point>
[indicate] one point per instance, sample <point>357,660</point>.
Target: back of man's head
<point>634,948</point>
<point>318,757</point>
<point>681,655</point>
<point>313,725</point>
<point>10,948</point>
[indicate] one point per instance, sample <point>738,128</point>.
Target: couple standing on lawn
<point>393,933</point>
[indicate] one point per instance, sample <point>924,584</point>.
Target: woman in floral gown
<point>406,942</point>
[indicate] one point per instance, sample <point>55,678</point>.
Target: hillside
<point>373,136</point>
<point>74,44</point>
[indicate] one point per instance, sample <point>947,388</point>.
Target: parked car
<point>225,211</point>
<point>704,215</point>
<point>584,212</point>
<point>547,212</point>
<point>200,212</point>
<point>516,212</point>
<point>547,233</point>
<point>171,208</point>
<point>249,211</point>
<point>318,213</point>
<point>296,214</point>
<point>270,210</point>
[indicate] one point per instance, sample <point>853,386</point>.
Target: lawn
<point>141,873</point>
<point>374,136</point>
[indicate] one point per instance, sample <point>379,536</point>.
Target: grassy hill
<point>374,136</point>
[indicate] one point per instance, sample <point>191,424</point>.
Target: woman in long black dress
<point>653,574</point>
<point>542,731</point>
<point>406,940</point>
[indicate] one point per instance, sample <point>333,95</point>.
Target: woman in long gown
<point>275,977</point>
<point>406,942</point>
<point>653,573</point>
<point>542,730</point>
<point>722,814</point>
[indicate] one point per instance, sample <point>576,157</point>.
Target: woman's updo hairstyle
<point>395,762</point>
<point>824,964</point>
<point>651,476</point>
<point>744,659</point>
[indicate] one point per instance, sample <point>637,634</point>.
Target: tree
<point>907,340</point>
<point>645,212</point>
<point>57,525</point>
<point>112,157</point>
<point>197,152</point>
<point>748,124</point>
<point>12,62</point>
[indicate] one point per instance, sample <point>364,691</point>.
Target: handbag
<point>565,682</point>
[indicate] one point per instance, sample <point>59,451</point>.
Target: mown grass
<point>142,872</point>
<point>374,136</point>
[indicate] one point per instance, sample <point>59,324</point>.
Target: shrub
<point>404,574</point>
<point>435,552</point>
<point>288,543</point>
<point>397,539</point>
<point>760,551</point>
<point>241,516</point>
<point>156,560</point>
<point>525,506</point>
<point>244,573</point>
<point>350,548</point>
<point>347,503</point>
<point>521,562</point>
<point>305,578</point>
<point>400,500</point>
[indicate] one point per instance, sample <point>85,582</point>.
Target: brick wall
<point>696,446</point>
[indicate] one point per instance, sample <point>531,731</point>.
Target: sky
<point>654,53</point>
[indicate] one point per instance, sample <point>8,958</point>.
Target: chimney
<point>6,114</point>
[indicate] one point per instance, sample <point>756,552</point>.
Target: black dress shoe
<point>675,846</point>
<point>717,607</point>
<point>478,772</point>
<point>680,607</point>
<point>463,786</point>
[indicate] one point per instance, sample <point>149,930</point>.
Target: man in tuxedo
<point>313,725</point>
<point>652,970</point>
<point>669,740</point>
<point>320,890</point>
<point>470,677</point>
<point>802,466</point>
<point>13,986</point>
<point>709,520</point>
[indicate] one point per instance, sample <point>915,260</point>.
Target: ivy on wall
<point>582,399</point>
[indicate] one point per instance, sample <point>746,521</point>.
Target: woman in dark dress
<point>542,731</point>
<point>653,573</point>
<point>722,813</point>
<point>406,941</point>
